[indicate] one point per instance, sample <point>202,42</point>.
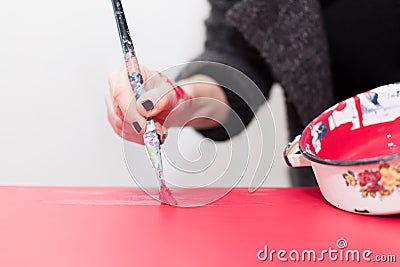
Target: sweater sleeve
<point>224,44</point>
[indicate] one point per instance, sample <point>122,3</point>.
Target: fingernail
<point>161,140</point>
<point>148,105</point>
<point>137,126</point>
<point>164,133</point>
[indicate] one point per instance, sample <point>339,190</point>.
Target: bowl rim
<point>363,161</point>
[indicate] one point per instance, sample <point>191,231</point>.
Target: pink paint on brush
<point>165,196</point>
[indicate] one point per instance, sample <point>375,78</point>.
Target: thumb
<point>156,101</point>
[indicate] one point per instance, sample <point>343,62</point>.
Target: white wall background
<point>55,57</point>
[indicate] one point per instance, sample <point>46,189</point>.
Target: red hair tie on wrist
<point>180,94</point>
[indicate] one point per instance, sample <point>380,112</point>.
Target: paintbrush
<point>151,139</point>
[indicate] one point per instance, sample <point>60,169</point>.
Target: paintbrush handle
<point>151,139</point>
<point>131,62</point>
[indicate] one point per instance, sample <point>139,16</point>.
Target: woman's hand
<point>169,104</point>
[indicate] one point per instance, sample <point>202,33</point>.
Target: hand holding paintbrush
<point>150,136</point>
<point>131,109</point>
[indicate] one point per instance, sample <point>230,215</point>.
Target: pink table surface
<point>68,226</point>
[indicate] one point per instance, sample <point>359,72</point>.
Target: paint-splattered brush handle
<point>131,61</point>
<point>151,139</point>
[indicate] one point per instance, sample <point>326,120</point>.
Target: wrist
<point>207,101</point>
<point>200,85</point>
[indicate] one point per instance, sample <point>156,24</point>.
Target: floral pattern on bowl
<point>382,181</point>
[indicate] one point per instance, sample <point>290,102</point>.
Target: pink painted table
<point>68,226</point>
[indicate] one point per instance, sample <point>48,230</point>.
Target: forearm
<point>209,106</point>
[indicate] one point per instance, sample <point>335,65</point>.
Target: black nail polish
<point>137,126</point>
<point>148,105</point>
<point>161,140</point>
<point>164,133</point>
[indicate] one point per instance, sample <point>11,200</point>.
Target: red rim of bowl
<point>325,161</point>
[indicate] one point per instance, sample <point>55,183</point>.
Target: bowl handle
<point>293,156</point>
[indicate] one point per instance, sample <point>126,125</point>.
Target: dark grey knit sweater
<point>283,39</point>
<point>318,54</point>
